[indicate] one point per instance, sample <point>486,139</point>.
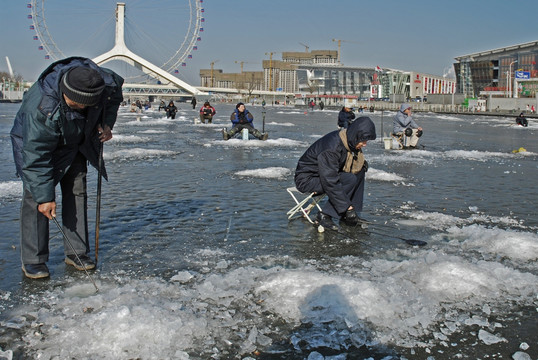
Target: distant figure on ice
<point>321,105</point>
<point>171,110</point>
<point>193,102</point>
<point>405,128</point>
<point>162,105</point>
<point>241,119</point>
<point>207,112</point>
<point>345,117</point>
<point>335,165</point>
<point>522,121</point>
<point>60,127</point>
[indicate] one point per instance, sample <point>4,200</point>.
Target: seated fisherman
<point>242,119</point>
<point>521,120</point>
<point>171,110</point>
<point>207,112</point>
<point>334,165</point>
<point>406,128</point>
<point>345,117</point>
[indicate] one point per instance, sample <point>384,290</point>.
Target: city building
<point>508,72</point>
<point>319,74</point>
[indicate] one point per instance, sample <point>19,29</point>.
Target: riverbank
<point>433,108</point>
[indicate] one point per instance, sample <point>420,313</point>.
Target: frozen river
<point>197,259</point>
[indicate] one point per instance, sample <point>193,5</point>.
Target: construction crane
<point>306,47</point>
<point>340,44</point>
<point>242,62</point>
<point>270,69</point>
<point>212,77</point>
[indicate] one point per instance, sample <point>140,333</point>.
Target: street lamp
<point>510,79</point>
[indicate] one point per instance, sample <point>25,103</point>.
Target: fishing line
<point>74,252</point>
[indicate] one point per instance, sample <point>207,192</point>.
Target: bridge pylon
<point>121,52</point>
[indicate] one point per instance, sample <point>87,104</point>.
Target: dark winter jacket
<point>521,120</point>
<point>47,134</point>
<point>241,117</point>
<point>345,118</point>
<point>207,111</point>
<point>171,109</point>
<point>326,159</point>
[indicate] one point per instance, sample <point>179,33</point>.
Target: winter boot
<point>264,136</point>
<point>326,221</point>
<point>225,134</point>
<point>35,271</point>
<point>351,218</point>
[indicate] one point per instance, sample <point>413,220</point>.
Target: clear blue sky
<point>419,35</point>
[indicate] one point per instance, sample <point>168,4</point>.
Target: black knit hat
<point>83,85</point>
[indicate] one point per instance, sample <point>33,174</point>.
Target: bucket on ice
<point>388,143</point>
<point>244,132</point>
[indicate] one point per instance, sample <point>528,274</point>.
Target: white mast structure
<point>10,69</point>
<point>121,52</point>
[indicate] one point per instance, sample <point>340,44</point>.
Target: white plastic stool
<point>308,202</point>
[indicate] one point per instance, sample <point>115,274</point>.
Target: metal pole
<point>382,133</point>
<point>263,121</point>
<point>98,202</point>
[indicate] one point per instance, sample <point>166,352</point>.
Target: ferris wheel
<point>179,50</point>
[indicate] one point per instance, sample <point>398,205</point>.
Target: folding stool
<point>308,202</point>
<point>400,139</point>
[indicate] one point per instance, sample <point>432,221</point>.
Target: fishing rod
<point>412,242</point>
<point>74,252</point>
<point>346,235</point>
<point>99,182</point>
<point>361,227</point>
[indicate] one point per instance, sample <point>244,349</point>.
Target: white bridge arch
<point>121,52</point>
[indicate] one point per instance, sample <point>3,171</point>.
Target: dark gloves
<point>365,166</point>
<point>408,132</point>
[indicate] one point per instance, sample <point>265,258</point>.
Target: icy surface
<point>198,259</point>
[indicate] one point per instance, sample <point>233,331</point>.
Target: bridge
<point>172,91</point>
<point>121,52</point>
<point>173,86</point>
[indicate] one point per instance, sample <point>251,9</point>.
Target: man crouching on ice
<point>334,165</point>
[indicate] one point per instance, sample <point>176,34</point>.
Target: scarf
<point>354,161</point>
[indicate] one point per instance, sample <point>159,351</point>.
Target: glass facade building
<point>497,71</point>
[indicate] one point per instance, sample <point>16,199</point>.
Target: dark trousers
<point>35,226</point>
<point>353,185</point>
<point>209,118</point>
<point>238,127</point>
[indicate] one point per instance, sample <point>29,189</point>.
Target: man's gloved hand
<point>408,132</point>
<point>365,166</point>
